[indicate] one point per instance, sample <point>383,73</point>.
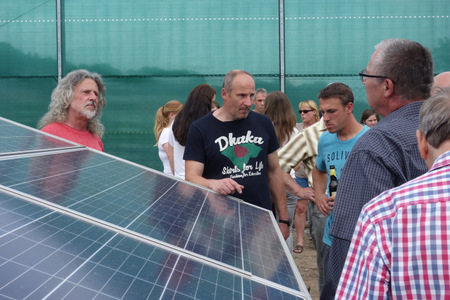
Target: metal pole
<point>59,42</point>
<point>282,60</point>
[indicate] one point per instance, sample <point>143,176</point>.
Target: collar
<point>442,161</point>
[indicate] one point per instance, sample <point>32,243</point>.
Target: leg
<point>291,200</point>
<point>325,257</point>
<point>338,254</point>
<point>300,220</point>
<point>300,214</point>
<point>316,226</point>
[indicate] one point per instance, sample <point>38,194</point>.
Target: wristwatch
<point>287,222</point>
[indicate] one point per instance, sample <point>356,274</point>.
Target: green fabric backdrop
<point>150,52</point>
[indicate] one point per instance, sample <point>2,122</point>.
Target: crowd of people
<point>383,234</point>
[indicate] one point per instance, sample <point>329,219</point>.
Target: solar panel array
<point>79,224</point>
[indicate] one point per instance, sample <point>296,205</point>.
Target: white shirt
<point>163,139</point>
<point>178,152</point>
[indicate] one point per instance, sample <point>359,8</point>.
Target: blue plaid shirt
<point>383,158</point>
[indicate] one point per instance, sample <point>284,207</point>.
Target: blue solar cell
<point>17,138</point>
<point>78,224</point>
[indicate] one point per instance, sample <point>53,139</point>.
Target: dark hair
<point>367,113</point>
<point>409,64</point>
<point>198,104</point>
<point>435,117</point>
<point>278,108</point>
<point>339,90</point>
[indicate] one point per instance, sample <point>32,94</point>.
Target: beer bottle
<point>332,187</point>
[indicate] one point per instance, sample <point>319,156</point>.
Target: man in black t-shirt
<point>233,150</point>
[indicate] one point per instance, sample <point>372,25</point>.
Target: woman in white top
<point>278,108</point>
<point>198,104</point>
<point>163,121</point>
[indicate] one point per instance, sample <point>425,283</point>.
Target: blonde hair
<point>162,117</point>
<point>312,105</point>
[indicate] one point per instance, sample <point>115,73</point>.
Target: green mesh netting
<point>150,52</point>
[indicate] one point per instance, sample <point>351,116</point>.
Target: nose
<point>248,100</point>
<point>93,96</point>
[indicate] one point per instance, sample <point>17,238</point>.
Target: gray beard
<point>89,114</point>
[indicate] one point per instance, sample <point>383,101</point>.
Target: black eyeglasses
<point>363,74</point>
<point>305,111</point>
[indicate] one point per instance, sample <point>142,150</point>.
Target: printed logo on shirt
<point>337,155</point>
<point>239,150</point>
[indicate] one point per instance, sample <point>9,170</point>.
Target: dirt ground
<point>306,263</point>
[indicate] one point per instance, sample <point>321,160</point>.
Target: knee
<point>301,207</point>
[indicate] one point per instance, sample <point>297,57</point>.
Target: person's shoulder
<point>363,131</point>
<point>407,114</point>
<point>208,118</point>
<point>312,133</point>
<point>389,202</point>
<point>326,136</point>
<point>165,133</point>
<point>257,116</point>
<point>166,129</point>
<point>394,129</point>
<point>318,127</point>
<point>53,127</point>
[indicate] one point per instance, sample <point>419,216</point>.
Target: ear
<point>388,88</point>
<point>67,103</point>
<point>223,94</point>
<point>422,144</point>
<point>349,108</point>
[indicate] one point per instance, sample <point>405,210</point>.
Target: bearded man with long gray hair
<point>75,109</point>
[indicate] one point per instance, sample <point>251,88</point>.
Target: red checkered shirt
<point>401,245</point>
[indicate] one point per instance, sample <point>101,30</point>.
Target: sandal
<point>298,249</point>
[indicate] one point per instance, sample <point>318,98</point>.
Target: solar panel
<point>16,138</point>
<point>79,224</point>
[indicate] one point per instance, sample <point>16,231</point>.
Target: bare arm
<point>320,180</point>
<point>169,151</point>
<point>294,188</point>
<point>277,191</point>
<point>226,186</point>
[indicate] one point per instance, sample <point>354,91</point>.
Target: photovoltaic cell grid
<point>15,138</point>
<point>78,224</point>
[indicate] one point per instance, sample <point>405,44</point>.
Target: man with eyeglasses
<point>397,80</point>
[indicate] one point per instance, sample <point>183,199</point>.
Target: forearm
<point>320,180</point>
<point>291,185</point>
<point>194,172</point>
<point>278,193</point>
<point>198,179</point>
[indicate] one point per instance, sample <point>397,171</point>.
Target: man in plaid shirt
<point>400,248</point>
<point>397,80</point>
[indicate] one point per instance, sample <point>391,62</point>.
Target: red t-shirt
<point>83,137</point>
